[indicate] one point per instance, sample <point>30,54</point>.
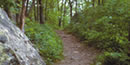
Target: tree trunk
<point>30,9</point>
<point>27,7</point>
<point>102,2</point>
<point>64,12</point>
<point>17,19</point>
<point>93,3</point>
<point>129,31</point>
<point>129,37</point>
<point>35,14</point>
<point>98,2</point>
<point>22,16</point>
<point>61,17</point>
<point>76,6</point>
<point>41,12</point>
<point>38,10</point>
<point>65,8</point>
<point>70,4</point>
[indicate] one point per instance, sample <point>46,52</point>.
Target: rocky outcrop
<point>7,56</point>
<point>15,47</point>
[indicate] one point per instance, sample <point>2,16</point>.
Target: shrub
<point>46,40</point>
<point>106,28</point>
<point>113,58</point>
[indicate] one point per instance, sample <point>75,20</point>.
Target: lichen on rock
<point>7,56</point>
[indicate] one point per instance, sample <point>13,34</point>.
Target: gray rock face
<point>15,47</point>
<point>7,56</point>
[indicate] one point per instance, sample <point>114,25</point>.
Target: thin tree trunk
<point>30,9</point>
<point>35,14</point>
<point>129,37</point>
<point>64,12</point>
<point>65,8</point>
<point>98,2</point>
<point>93,3</point>
<point>22,17</point>
<point>102,2</point>
<point>61,17</point>
<point>17,19</point>
<point>76,6</point>
<point>70,4</point>
<point>27,7</point>
<point>129,31</point>
<point>58,5</point>
<point>38,10</point>
<point>41,12</point>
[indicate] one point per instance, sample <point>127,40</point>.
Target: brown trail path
<point>75,53</point>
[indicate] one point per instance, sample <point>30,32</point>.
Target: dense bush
<point>46,40</point>
<point>105,27</point>
<point>113,58</point>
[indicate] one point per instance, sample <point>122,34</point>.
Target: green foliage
<point>52,19</point>
<point>113,58</point>
<point>6,3</point>
<point>103,27</point>
<point>11,5</point>
<point>107,35</point>
<point>106,28</point>
<point>46,40</point>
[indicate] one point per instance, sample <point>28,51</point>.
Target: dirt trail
<point>75,53</point>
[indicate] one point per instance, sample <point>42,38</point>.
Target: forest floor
<point>75,52</point>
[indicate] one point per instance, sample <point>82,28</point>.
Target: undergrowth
<point>106,28</point>
<point>46,40</point>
